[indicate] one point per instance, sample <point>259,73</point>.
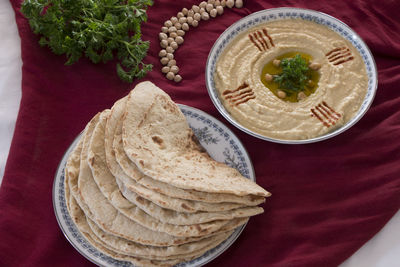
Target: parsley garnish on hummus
<point>292,76</point>
<point>295,74</point>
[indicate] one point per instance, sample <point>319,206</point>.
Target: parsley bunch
<point>295,74</point>
<point>98,29</point>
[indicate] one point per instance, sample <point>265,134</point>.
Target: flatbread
<point>112,137</point>
<point>110,220</point>
<point>108,186</point>
<point>123,249</point>
<point>183,252</point>
<point>140,188</point>
<point>165,201</point>
<point>158,139</point>
<point>77,215</point>
<point>114,131</point>
<point>80,221</point>
<point>73,167</point>
<point>183,218</point>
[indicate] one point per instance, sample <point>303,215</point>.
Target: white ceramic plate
<point>274,14</point>
<point>219,142</point>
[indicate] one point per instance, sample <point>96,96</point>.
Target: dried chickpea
<point>230,3</point>
<point>203,4</point>
<point>165,69</point>
<point>173,34</point>
<point>162,36</point>
<point>178,26</point>
<point>170,75</point>
<point>185,26</point>
<point>213,13</point>
<point>174,45</point>
<point>220,10</point>
<point>205,16</point>
<point>174,69</point>
<point>197,16</point>
<point>195,8</point>
<point>179,40</point>
<point>170,40</point>
<point>164,29</point>
<point>177,78</point>
<point>171,63</point>
<point>164,60</point>
<point>162,53</point>
<point>190,20</point>
<point>168,23</point>
<point>174,20</point>
<point>181,32</point>
<point>195,23</point>
<point>239,3</point>
<point>183,20</point>
<point>164,43</point>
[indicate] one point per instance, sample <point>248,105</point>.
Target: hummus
<point>342,84</point>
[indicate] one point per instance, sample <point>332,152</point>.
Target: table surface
<point>382,250</point>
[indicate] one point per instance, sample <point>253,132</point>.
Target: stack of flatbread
<point>141,189</point>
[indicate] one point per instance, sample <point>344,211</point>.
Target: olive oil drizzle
<point>273,86</point>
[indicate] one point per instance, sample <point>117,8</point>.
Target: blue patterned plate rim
<point>273,14</point>
<point>79,242</point>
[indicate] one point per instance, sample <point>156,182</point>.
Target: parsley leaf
<point>97,29</point>
<point>295,74</point>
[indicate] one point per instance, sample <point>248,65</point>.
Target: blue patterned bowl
<point>274,14</point>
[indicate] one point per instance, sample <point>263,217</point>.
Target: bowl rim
<point>326,136</point>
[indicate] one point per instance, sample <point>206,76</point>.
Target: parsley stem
<point>128,45</point>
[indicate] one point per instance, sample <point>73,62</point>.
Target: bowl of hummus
<point>291,75</point>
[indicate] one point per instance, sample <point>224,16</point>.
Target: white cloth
<point>10,79</point>
<point>383,250</point>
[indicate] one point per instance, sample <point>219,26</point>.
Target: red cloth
<point>329,198</point>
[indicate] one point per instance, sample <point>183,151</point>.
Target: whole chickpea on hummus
<point>291,79</point>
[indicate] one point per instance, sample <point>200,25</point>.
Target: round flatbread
<point>80,220</point>
<point>183,252</point>
<point>110,220</point>
<point>158,139</point>
<point>182,218</point>
<point>107,184</point>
